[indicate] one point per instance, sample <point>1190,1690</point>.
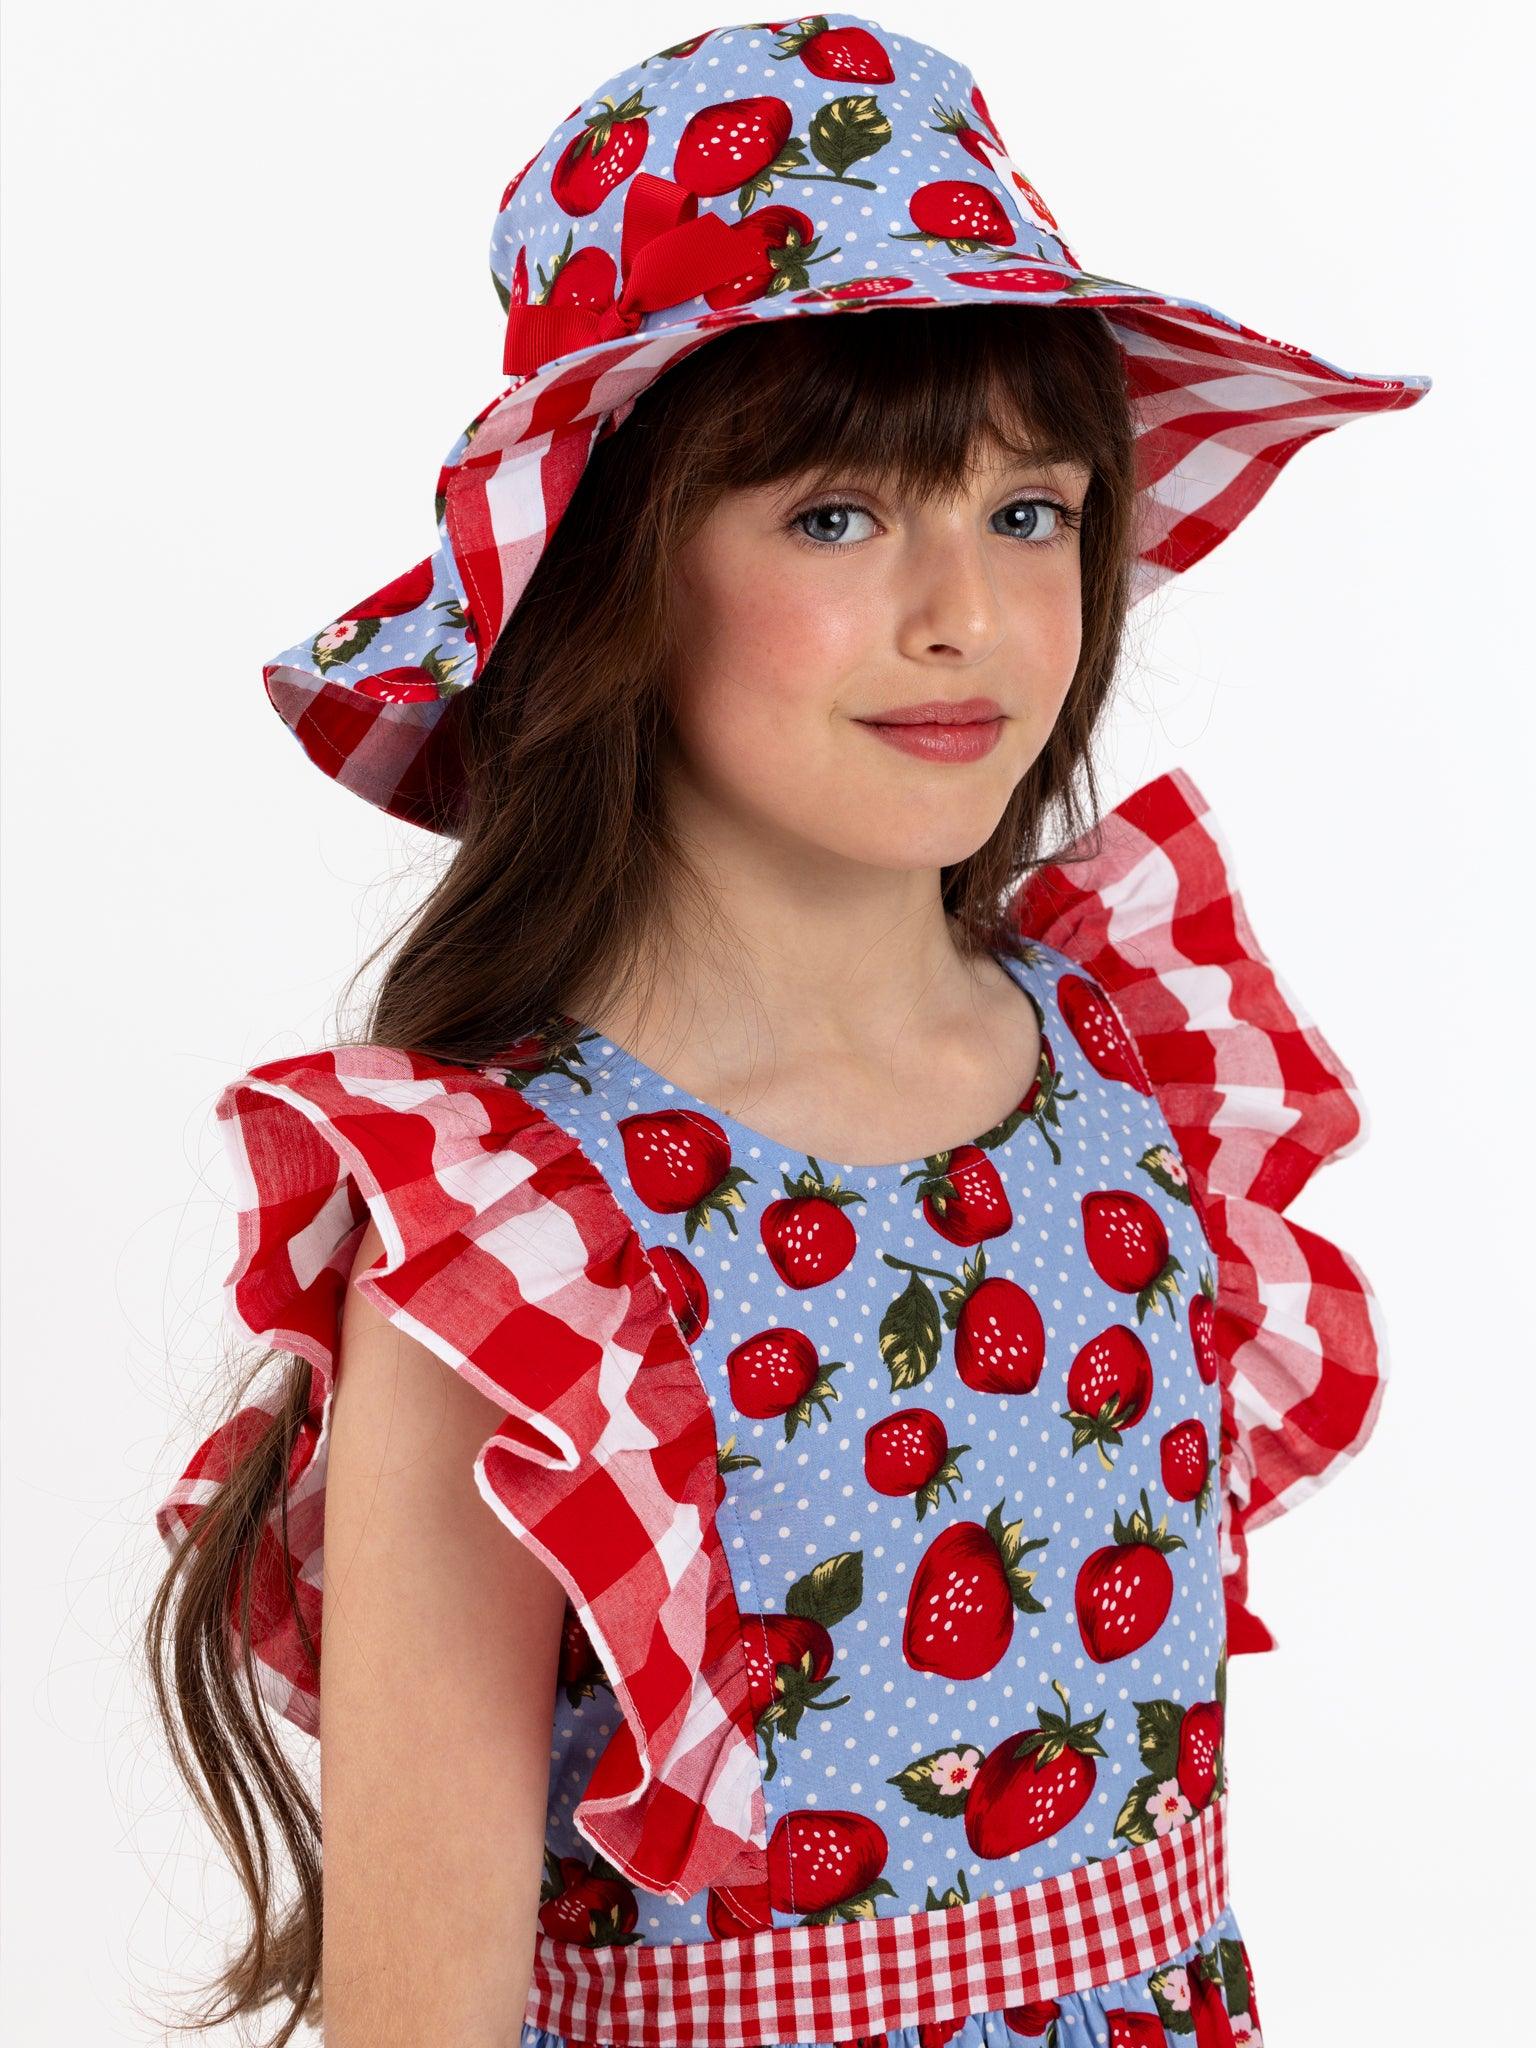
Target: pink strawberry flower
<point>1174,1986</point>
<point>1168,1807</point>
<point>1244,2032</point>
<point>954,1770</point>
<point>335,636</point>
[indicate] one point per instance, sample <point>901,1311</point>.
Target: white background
<point>247,310</point>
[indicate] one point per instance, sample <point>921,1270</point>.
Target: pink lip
<point>930,741</point>
<point>940,711</point>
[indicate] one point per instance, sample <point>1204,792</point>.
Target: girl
<point>783,1325</point>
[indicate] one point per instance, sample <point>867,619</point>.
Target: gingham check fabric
<point>855,1980</point>
<point>1257,1100</point>
<point>508,1255</point>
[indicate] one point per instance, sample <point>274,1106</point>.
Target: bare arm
<point>440,1643</point>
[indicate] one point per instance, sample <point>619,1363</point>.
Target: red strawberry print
<point>1125,1590</point>
<point>1000,1339</point>
<point>1202,1328</point>
<point>1033,1782</point>
<point>679,1163</point>
<point>1107,1046</point>
<point>950,121</point>
<point>736,146</point>
<point>777,1372</point>
<point>1127,1246</point>
<point>1018,277</point>
<point>604,152</point>
<point>963,1195</point>
<point>824,1864</point>
<point>1213,2029</point>
<point>1199,1751</point>
<point>862,290</point>
<point>685,1289</point>
<point>1032,2020</point>
<point>909,1453</point>
<point>1135,2029</point>
<point>848,54</point>
<point>590,1904</point>
<point>590,277</point>
<point>433,677</point>
<point>1109,1389</point>
<point>777,248</point>
<point>807,1233</point>
<point>963,215</point>
<point>1185,1455</point>
<point>967,1585</point>
<point>789,1658</point>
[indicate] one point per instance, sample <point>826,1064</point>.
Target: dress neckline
<point>673,1096</point>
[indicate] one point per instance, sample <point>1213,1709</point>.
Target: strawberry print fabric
<point>901,1508</point>
<point>968,1411</point>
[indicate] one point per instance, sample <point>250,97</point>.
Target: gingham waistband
<point>1082,1927</point>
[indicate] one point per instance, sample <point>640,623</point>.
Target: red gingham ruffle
<point>1256,1099</point>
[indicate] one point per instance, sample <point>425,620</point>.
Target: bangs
<point>908,400</point>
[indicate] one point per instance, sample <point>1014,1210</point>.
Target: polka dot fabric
<point>966,1408</point>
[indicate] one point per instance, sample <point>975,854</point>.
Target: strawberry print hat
<point>816,167</point>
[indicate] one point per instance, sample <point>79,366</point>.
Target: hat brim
<point>1220,409</point>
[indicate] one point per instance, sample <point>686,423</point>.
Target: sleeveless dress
<point>902,1508</point>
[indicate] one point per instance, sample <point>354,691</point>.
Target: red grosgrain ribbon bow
<point>669,252</point>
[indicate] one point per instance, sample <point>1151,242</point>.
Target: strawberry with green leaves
<point>999,1330</point>
<point>909,1454</point>
<point>1034,1782</point>
<point>1127,1245</point>
<point>961,214</point>
<point>778,246</point>
<point>737,146</point>
<point>968,1585</point>
<point>963,1197</point>
<point>807,1232</point>
<point>606,150</point>
<point>1109,1388</point>
<point>777,1373</point>
<point>1184,1453</point>
<point>1124,1590</point>
<point>679,1164</point>
<point>789,1655</point>
<point>824,1864</point>
<point>851,55</point>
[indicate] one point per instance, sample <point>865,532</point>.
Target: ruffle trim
<point>1256,1099</point>
<point>507,1254</point>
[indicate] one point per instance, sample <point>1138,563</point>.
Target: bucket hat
<point>815,167</point>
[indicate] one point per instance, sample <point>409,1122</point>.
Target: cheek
<point>764,673</point>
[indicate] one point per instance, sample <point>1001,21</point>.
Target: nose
<point>950,610</point>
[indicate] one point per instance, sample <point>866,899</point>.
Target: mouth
<point>939,711</point>
<point>940,732</point>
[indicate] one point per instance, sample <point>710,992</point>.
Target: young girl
<point>783,1326</point>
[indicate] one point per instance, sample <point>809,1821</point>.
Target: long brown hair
<point>566,870</point>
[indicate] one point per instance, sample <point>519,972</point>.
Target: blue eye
<point>835,521</point>
<point>831,525</point>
